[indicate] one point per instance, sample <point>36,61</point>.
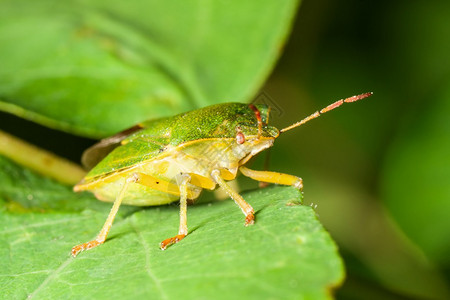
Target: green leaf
<point>96,67</point>
<point>287,254</point>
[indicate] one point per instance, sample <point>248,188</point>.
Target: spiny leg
<point>273,177</point>
<point>245,207</point>
<point>183,231</point>
<point>101,237</point>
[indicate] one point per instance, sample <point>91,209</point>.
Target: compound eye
<point>240,138</point>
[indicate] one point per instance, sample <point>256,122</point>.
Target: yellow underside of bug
<point>159,179</point>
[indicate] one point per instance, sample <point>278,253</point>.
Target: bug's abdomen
<point>136,194</point>
<point>156,184</point>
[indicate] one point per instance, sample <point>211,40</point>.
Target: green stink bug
<point>163,160</point>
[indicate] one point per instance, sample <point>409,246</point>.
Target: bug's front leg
<point>273,177</point>
<point>245,207</point>
<point>101,237</point>
<point>183,231</point>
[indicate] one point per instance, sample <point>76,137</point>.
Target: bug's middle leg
<point>183,231</point>
<point>273,177</point>
<point>245,207</point>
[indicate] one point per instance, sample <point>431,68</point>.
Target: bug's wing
<point>94,154</point>
<point>142,149</point>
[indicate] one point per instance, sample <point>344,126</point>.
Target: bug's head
<point>254,126</point>
<point>253,134</point>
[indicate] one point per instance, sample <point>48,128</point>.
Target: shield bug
<point>170,159</point>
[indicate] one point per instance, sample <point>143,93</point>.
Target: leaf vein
<point>147,259</point>
<point>52,275</point>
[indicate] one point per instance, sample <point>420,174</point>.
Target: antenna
<point>327,109</point>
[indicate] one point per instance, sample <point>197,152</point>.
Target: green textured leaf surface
<point>286,255</point>
<point>97,67</point>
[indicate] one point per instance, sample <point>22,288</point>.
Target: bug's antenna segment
<point>327,109</point>
<point>258,118</point>
<point>267,115</point>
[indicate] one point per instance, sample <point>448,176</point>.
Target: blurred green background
<point>378,169</point>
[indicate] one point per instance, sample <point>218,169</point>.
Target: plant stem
<point>40,160</point>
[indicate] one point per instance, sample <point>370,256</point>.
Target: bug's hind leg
<point>245,207</point>
<point>183,231</point>
<point>101,237</point>
<point>273,177</point>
